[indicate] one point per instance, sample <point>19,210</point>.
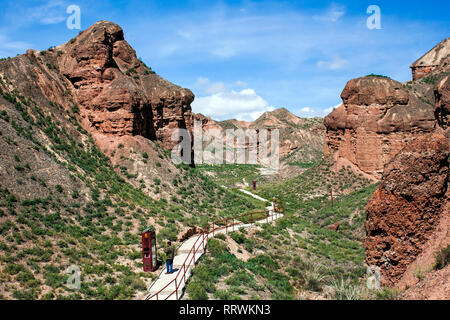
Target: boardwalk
<point>165,286</point>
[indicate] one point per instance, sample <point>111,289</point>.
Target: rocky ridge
<point>300,138</point>
<point>376,120</point>
<point>409,205</point>
<point>408,216</point>
<point>115,92</point>
<point>379,116</point>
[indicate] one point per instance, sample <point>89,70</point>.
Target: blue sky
<point>241,58</point>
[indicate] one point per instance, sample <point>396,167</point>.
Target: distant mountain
<point>301,139</point>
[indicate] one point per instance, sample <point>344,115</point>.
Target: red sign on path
<point>149,250</point>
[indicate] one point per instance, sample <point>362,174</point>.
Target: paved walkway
<point>253,195</point>
<point>166,281</point>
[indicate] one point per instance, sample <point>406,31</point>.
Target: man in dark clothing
<point>170,254</point>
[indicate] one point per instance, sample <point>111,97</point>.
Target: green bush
<point>345,291</point>
<point>442,258</point>
<point>387,294</point>
<point>196,291</point>
<point>75,108</point>
<point>215,247</point>
<point>238,237</point>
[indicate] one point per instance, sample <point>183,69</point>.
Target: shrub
<point>442,258</point>
<point>221,236</point>
<point>215,247</point>
<point>387,294</point>
<point>196,291</point>
<point>377,76</point>
<point>344,291</point>
<point>75,108</point>
<point>238,237</point>
<point>75,194</point>
<point>4,115</point>
<point>25,294</point>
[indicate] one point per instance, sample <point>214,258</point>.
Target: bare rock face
<point>435,286</point>
<point>376,120</point>
<point>404,211</point>
<point>431,60</point>
<point>117,94</point>
<point>301,139</point>
<point>297,135</point>
<point>442,98</point>
<point>334,226</point>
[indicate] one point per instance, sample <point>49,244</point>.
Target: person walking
<point>170,255</point>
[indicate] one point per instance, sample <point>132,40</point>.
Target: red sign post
<point>149,250</point>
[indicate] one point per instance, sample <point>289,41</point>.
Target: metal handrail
<point>204,234</point>
<point>174,280</point>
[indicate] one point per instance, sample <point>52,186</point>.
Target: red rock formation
<point>408,205</point>
<point>334,226</point>
<point>189,233</point>
<point>117,94</point>
<point>431,60</point>
<point>295,133</point>
<point>435,286</point>
<point>442,108</point>
<point>376,120</point>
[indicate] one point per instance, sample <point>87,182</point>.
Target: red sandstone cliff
<point>399,133</point>
<point>376,120</point>
<point>96,80</point>
<point>409,212</point>
<point>379,116</point>
<point>442,110</point>
<point>300,139</point>
<point>116,93</point>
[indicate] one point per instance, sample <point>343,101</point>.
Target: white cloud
<point>241,105</point>
<point>331,109</point>
<point>216,87</point>
<point>185,35</point>
<point>205,85</point>
<point>225,51</point>
<point>240,83</point>
<point>333,64</point>
<point>11,48</point>
<point>52,12</point>
<point>333,14</point>
<point>307,110</point>
<point>53,19</point>
<point>288,55</point>
<point>168,48</point>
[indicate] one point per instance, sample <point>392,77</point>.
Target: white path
<point>166,281</point>
<point>253,195</point>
